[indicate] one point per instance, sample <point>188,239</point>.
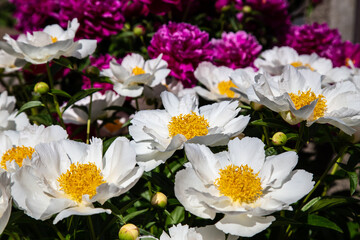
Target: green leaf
<point>176,216</point>
<point>29,105</point>
<point>310,204</point>
<point>80,95</point>
<point>44,119</point>
<point>107,143</point>
<point>353,177</point>
<point>270,151</point>
<point>272,123</point>
<point>60,93</point>
<point>319,221</point>
<point>329,202</point>
<point>134,214</point>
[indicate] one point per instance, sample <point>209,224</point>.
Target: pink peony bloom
<point>235,50</point>
<point>317,38</point>
<point>34,15</point>
<point>351,52</point>
<point>102,62</point>
<point>183,47</point>
<point>98,18</point>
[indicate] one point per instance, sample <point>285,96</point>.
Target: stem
<point>137,104</point>
<point>299,140</point>
<point>57,231</point>
<point>266,134</point>
<point>89,121</point>
<point>91,226</point>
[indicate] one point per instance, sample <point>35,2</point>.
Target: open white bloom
<point>5,200</point>
<point>158,133</point>
<point>67,177</point>
<point>183,232</point>
<point>240,183</point>
<point>51,43</point>
<point>243,79</point>
<point>8,118</point>
<point>17,147</point>
<point>216,80</point>
<point>134,72</point>
<point>297,95</point>
<point>79,116</point>
<point>9,63</point>
<point>274,60</point>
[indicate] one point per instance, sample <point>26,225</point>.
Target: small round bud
<point>246,9</point>
<point>256,106</point>
<point>92,71</point>
<point>126,26</point>
<point>41,87</point>
<point>279,139</point>
<point>139,30</point>
<point>129,232</point>
<point>159,200</point>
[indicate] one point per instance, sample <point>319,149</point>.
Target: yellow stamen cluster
<point>224,88</point>
<point>300,64</point>
<point>80,179</point>
<point>302,99</point>
<point>17,154</point>
<point>54,39</point>
<point>138,70</point>
<point>240,184</point>
<point>114,127</point>
<point>189,125</point>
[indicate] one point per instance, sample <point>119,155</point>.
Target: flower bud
<point>139,30</point>
<point>92,71</point>
<point>159,200</point>
<point>256,106</point>
<point>41,87</point>
<point>279,139</point>
<point>129,232</point>
<point>246,9</point>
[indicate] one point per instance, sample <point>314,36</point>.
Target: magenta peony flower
<point>235,50</point>
<point>183,47</point>
<point>318,38</point>
<point>102,62</point>
<point>273,17</point>
<point>98,18</point>
<point>351,52</point>
<point>33,15</point>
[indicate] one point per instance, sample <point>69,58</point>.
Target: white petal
<point>86,48</point>
<point>79,211</point>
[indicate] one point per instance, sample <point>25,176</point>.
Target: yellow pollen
<point>54,39</point>
<point>224,88</point>
<point>138,70</point>
<point>300,64</point>
<point>114,127</point>
<point>302,99</point>
<point>189,125</point>
<point>80,179</point>
<point>17,154</point>
<point>240,184</point>
<point>347,62</point>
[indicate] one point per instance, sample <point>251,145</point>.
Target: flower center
<point>302,99</point>
<point>53,39</point>
<point>17,154</point>
<point>115,126</point>
<point>189,125</point>
<point>300,64</point>
<point>138,70</point>
<point>239,183</point>
<point>80,179</point>
<point>347,62</point>
<point>224,88</point>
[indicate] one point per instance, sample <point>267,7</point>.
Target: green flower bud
<point>41,87</point>
<point>246,9</point>
<point>129,232</point>
<point>279,139</point>
<point>159,200</point>
<point>92,71</point>
<point>139,30</point>
<point>256,106</point>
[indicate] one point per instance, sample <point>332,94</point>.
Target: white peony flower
<point>51,43</point>
<point>297,95</point>
<point>216,80</point>
<point>158,133</point>
<point>241,183</point>
<point>17,147</point>
<point>134,72</point>
<point>183,232</point>
<point>8,118</point>
<point>9,63</point>
<point>5,200</point>
<point>77,115</point>
<point>67,177</point>
<point>243,79</point>
<point>274,60</point>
